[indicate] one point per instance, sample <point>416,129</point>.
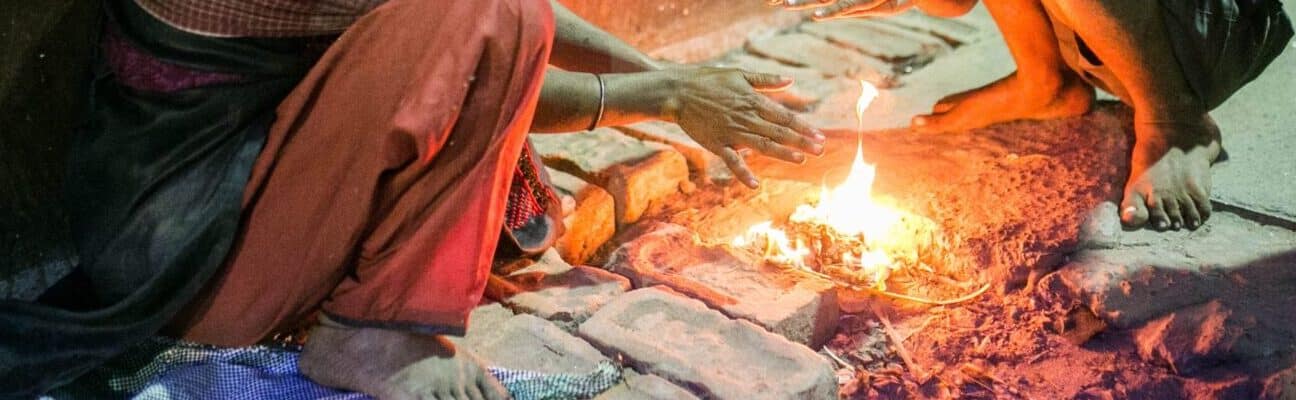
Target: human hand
<point>724,110</point>
<point>835,9</point>
<point>452,373</point>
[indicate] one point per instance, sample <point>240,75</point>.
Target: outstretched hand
<point>835,9</point>
<point>725,111</point>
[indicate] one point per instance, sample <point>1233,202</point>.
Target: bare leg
<point>1042,88</point>
<point>1176,141</point>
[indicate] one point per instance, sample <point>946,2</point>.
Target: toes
<point>1157,213</point>
<point>1134,212</point>
<point>1191,217</point>
<point>1172,210</point>
<point>1201,201</point>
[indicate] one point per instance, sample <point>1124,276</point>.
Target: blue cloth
<point>164,369</point>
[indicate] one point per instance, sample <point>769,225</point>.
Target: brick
<point>703,164</point>
<point>950,30</point>
<point>662,333</point>
<point>487,317</point>
<point>589,216</point>
<point>528,343</point>
<point>802,49</point>
<point>637,174</point>
<point>888,42</point>
<point>809,86</point>
<point>801,308</point>
<point>566,295</point>
<point>645,387</point>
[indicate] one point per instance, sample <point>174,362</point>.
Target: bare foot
<point>1008,99</point>
<point>390,364</point>
<point>1169,183</point>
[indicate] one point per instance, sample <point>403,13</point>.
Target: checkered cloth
<point>165,369</point>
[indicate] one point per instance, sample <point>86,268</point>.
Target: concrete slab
<point>645,387</point>
<point>802,49</point>
<point>888,42</point>
<point>1257,127</point>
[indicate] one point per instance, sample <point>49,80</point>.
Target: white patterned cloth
<point>165,369</point>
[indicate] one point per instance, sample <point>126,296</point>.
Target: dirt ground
<point>1010,201</point>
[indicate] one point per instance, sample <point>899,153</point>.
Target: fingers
<point>800,4</point>
<point>789,128</point>
<point>738,166</point>
<point>767,82</point>
<point>849,9</point>
<point>769,147</point>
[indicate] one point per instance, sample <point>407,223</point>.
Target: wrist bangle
<point>602,102</point>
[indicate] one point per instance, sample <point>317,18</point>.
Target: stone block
<point>659,332</point>
<point>528,343</point>
<point>1148,274</point>
<point>951,30</point>
<point>589,216</point>
<point>637,174</point>
<point>563,294</point>
<point>888,42</point>
<point>809,86</point>
<point>645,387</point>
<point>704,165</point>
<point>1101,228</point>
<point>806,50</point>
<point>799,307</point>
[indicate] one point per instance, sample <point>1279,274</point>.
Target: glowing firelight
<point>848,209</point>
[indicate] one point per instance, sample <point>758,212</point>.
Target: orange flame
<point>849,209</point>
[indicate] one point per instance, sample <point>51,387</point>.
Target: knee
<point>945,8</point>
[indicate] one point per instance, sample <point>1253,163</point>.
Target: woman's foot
<point>1169,182</point>
<point>391,364</point>
<point>1009,99</point>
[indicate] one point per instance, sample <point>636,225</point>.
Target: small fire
<point>863,231</point>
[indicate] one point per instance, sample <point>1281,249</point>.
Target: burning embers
<point>847,234</point>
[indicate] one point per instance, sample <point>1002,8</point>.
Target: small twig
<point>837,359</point>
<point>899,345</point>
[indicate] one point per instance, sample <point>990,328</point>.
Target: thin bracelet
<point>598,117</point>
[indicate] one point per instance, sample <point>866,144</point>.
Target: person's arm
<point>722,109</point>
<point>581,46</point>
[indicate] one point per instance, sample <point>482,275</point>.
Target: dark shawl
<point>154,192</point>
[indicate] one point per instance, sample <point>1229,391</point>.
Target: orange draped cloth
<point>380,195</point>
